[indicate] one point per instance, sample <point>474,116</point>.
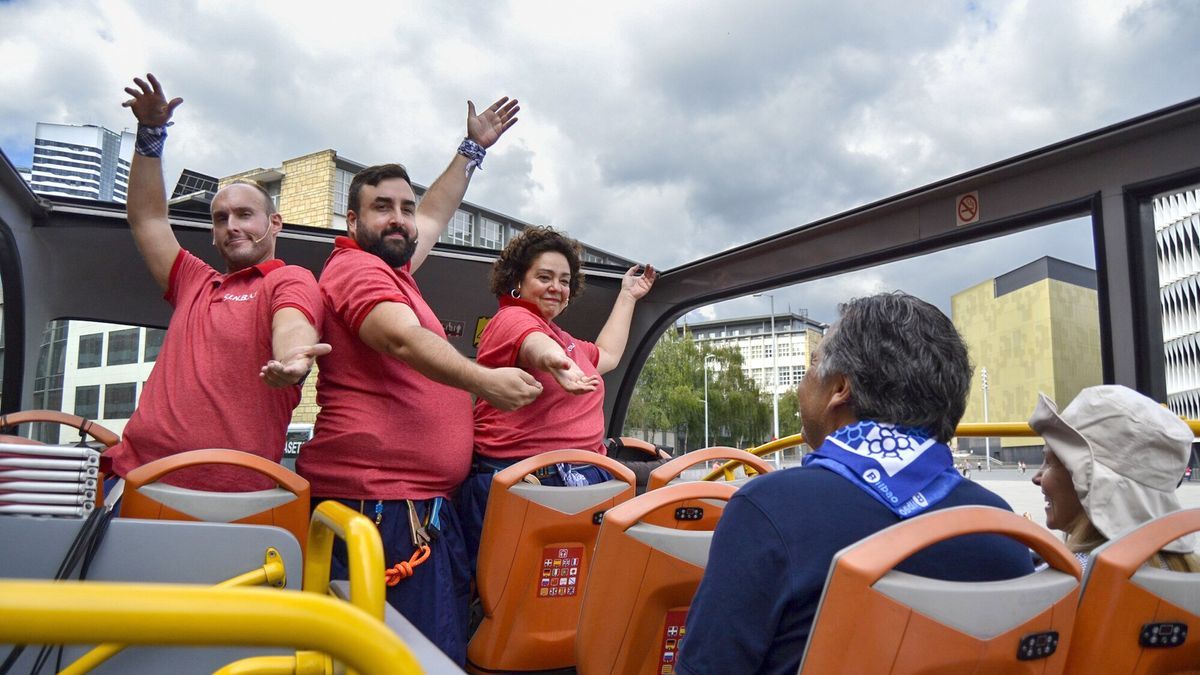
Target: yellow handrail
<point>364,555</point>
<point>303,663</point>
<point>272,573</point>
<point>965,430</point>
<point>776,445</point>
<point>71,612</point>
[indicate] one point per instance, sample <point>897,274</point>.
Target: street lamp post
<point>987,440</point>
<point>774,373</point>
<point>707,442</point>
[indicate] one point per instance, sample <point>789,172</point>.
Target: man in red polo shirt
<point>394,435</point>
<point>238,344</point>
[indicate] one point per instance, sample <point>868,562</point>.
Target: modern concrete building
<point>95,370</point>
<point>1034,329</point>
<point>796,335</point>
<point>83,161</point>
<point>1177,235</point>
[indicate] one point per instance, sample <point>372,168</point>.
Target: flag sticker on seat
<point>672,639</point>
<point>560,571</point>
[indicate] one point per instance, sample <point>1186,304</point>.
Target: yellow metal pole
<point>272,573</point>
<point>364,555</point>
<point>303,663</point>
<point>70,612</point>
<point>971,430</point>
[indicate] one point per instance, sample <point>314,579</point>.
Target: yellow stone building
<point>1035,329</point>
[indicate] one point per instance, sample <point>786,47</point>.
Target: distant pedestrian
<point>1187,474</point>
<point>979,466</point>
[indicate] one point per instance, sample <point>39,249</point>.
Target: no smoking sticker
<point>966,208</point>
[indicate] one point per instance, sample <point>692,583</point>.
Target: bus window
<point>98,371</point>
<point>1026,304</point>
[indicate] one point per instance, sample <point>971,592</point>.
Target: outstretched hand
<point>294,366</point>
<point>570,376</point>
<point>488,126</point>
<point>510,388</point>
<point>638,280</point>
<point>149,105</point>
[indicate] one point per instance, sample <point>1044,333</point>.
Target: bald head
<point>268,203</point>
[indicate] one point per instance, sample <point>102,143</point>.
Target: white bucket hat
<point>1125,453</point>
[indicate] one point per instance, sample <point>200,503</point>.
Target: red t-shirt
<point>204,390</point>
<point>385,431</point>
<point>556,419</point>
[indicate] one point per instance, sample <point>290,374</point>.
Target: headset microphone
<point>264,236</point>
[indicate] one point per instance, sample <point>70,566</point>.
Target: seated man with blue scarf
<point>885,391</point>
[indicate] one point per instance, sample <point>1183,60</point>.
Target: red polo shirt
<point>385,431</point>
<point>556,419</point>
<point>204,390</point>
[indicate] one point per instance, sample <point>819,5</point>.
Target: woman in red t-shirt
<point>535,278</point>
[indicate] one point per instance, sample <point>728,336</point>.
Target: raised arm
<point>634,286</point>
<point>442,198</point>
<point>146,208</point>
<point>539,351</point>
<point>294,346</point>
<point>392,328</point>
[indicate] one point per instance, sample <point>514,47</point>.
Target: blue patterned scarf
<point>901,467</point>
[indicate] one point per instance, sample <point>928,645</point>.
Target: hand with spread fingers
<point>487,127</point>
<point>292,368</point>
<point>149,105</point>
<point>638,280</point>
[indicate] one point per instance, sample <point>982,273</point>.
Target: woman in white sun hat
<point>1113,459</point>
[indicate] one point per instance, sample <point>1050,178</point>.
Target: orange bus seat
<point>85,426</point>
<point>640,457</point>
<point>1136,619</point>
<point>285,506</point>
<point>533,565</point>
<point>873,619</point>
<point>643,578</point>
<point>674,468</point>
<point>665,474</point>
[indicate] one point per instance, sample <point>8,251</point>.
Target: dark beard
<point>395,255</point>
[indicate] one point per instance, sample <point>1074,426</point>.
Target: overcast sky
<point>661,131</point>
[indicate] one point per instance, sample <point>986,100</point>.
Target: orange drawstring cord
<point>404,569</point>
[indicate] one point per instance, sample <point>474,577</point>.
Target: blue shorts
<point>436,597</point>
<point>473,495</point>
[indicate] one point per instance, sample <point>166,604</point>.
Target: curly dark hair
<point>514,261</point>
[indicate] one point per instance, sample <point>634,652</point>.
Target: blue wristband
<point>474,153</point>
<point>150,141</point>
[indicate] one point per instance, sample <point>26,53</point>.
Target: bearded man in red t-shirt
<point>394,435</point>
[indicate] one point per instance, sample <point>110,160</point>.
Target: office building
<point>94,370</point>
<point>1034,329</point>
<point>796,335</point>
<point>84,161</point>
<point>1177,236</point>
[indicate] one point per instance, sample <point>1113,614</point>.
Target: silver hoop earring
<point>515,293</point>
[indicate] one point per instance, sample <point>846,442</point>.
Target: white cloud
<point>655,129</point>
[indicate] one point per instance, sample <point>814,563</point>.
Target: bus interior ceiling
<point>65,258</point>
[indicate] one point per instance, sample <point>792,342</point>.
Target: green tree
<point>670,396</point>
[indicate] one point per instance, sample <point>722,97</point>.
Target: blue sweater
<point>770,557</point>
